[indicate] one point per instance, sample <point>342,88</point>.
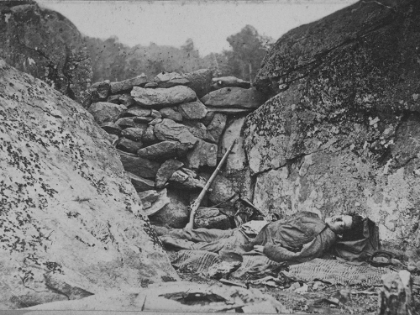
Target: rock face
<point>72,224</point>
<point>343,133</point>
<point>46,45</point>
<point>236,161</point>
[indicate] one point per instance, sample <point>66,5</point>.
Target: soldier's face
<point>339,223</point>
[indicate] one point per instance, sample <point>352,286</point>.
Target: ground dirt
<point>320,298</point>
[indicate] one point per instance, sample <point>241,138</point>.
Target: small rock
<point>128,145</point>
<point>104,112</point>
<point>134,133</point>
<point>138,166</point>
<point>209,117</point>
<point>151,85</point>
<point>102,90</point>
<point>170,130</point>
<point>137,111</point>
<point>166,170</point>
<point>155,121</point>
<point>203,154</point>
<point>149,135</point>
<point>193,110</point>
<point>155,114</point>
<point>127,122</point>
<point>169,112</point>
<point>217,125</point>
<point>187,179</point>
<point>111,128</point>
<point>140,183</point>
<point>199,130</point>
<point>148,197</point>
<point>170,79</point>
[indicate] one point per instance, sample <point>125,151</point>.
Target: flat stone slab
<point>160,97</point>
<point>170,79</point>
<point>163,150</point>
<point>231,81</point>
<point>127,85</point>
<point>235,97</point>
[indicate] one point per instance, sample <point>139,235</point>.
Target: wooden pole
<point>197,202</point>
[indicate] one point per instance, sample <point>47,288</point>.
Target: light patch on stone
<point>415,97</point>
<point>31,61</point>
<point>7,17</point>
<point>306,164</point>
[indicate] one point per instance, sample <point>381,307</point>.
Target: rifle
<point>194,206</point>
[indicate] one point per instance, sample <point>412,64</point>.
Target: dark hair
<point>356,230</point>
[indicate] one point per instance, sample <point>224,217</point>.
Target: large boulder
<point>46,45</point>
<point>235,97</point>
<point>160,97</point>
<point>343,133</point>
<point>72,223</point>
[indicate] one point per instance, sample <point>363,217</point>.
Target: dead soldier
<point>300,238</point>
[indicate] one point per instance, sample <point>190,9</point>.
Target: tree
<point>189,48</point>
<point>248,50</point>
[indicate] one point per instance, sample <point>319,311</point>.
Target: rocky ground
<point>318,297</point>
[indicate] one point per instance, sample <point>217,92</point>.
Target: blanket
<point>253,267</point>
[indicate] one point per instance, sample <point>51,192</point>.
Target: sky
<point>207,23</point>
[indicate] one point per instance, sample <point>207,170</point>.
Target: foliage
<point>248,50</point>
<point>114,61</point>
